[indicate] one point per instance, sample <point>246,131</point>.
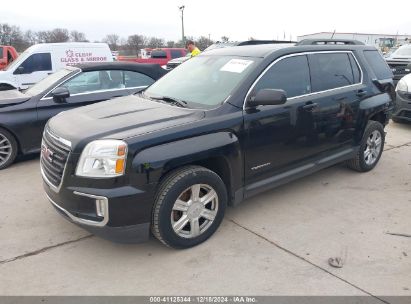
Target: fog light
<point>100,207</point>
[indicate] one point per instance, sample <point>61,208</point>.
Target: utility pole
<point>181,8</point>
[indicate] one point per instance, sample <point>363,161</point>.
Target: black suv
<point>226,125</point>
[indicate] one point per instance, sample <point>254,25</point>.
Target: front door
<point>33,69</point>
<point>280,135</point>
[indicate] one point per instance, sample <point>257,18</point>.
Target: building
<point>378,40</point>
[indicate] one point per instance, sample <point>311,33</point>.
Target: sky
<point>238,20</point>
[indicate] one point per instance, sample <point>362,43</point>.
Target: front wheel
<point>371,147</point>
<point>189,207</point>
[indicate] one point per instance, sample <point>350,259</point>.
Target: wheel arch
<point>219,152</point>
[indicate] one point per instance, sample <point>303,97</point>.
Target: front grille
<point>53,158</point>
<point>398,68</point>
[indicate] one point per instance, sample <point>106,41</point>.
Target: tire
<point>201,218</point>
<point>371,148</point>
<point>8,148</point>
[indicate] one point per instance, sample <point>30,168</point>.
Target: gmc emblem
<point>47,153</point>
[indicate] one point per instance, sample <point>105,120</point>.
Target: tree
<point>30,37</point>
<point>59,35</point>
<point>12,35</point>
<point>225,39</point>
<point>77,36</point>
<point>155,43</point>
<point>136,42</point>
<point>113,41</point>
<point>203,42</point>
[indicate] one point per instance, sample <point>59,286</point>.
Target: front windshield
<point>403,51</point>
<point>18,61</point>
<point>219,46</point>
<point>203,81</point>
<point>44,84</point>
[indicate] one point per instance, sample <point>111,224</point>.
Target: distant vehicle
<point>402,109</point>
<point>158,56</point>
<point>400,62</point>
<point>41,60</point>
<point>23,115</point>
<point>7,55</point>
<point>218,45</point>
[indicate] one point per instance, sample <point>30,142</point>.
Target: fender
<point>154,162</point>
<point>369,107</point>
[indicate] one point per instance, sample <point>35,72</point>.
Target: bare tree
<point>59,35</point>
<point>30,37</point>
<point>113,41</point>
<point>225,39</point>
<point>77,36</point>
<point>136,43</point>
<point>155,42</point>
<point>203,42</point>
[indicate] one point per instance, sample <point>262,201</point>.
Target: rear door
<point>337,89</point>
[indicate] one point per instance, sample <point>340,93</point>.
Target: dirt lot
<point>277,243</point>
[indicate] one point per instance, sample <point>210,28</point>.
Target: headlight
<point>103,158</point>
<point>402,86</point>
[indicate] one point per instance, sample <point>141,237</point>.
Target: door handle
<point>310,106</point>
<point>361,93</point>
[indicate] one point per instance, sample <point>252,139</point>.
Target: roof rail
<point>255,42</point>
<point>330,41</point>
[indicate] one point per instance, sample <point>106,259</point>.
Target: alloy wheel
<point>373,148</point>
<point>5,149</point>
<point>194,211</point>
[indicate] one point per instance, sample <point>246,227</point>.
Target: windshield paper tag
<point>236,65</point>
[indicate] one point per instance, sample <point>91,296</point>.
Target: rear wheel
<point>371,148</point>
<point>189,207</point>
<point>8,149</point>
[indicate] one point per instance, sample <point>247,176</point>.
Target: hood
<point>12,97</point>
<point>119,118</point>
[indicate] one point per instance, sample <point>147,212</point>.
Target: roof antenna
<point>332,36</point>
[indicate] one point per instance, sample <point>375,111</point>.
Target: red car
<point>7,55</point>
<point>158,56</point>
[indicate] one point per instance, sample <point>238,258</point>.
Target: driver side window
<point>290,74</point>
<point>35,63</point>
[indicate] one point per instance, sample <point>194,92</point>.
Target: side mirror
<point>60,94</point>
<point>268,97</point>
<point>19,70</point>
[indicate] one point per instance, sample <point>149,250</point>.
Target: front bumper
<point>128,234</point>
<point>402,108</point>
<point>94,216</point>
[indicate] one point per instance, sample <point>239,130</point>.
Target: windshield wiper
<point>175,101</point>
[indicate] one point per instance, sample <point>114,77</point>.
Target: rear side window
<point>158,54</point>
<point>330,71</point>
<point>1,52</point>
<point>290,74</point>
<point>35,63</point>
<point>176,54</point>
<point>135,79</point>
<point>378,65</point>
